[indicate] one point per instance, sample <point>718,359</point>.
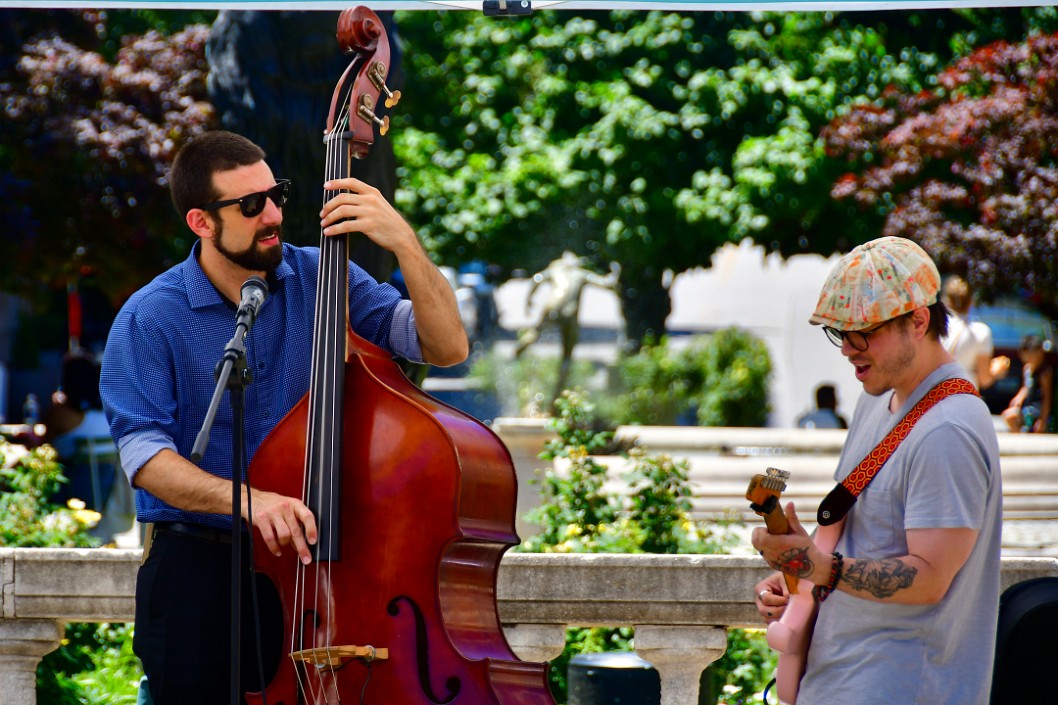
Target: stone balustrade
<point>722,461</point>
<point>680,606</point>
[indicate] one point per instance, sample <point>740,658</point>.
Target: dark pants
<point>183,624</point>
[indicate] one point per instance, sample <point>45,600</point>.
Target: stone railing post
<point>536,642</point>
<point>680,654</point>
<point>525,438</point>
<point>23,643</point>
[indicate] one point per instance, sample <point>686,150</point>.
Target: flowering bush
<point>28,481</point>
<point>89,137</point>
<point>578,516</point>
<point>966,169</point>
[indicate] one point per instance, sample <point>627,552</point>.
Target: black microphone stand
<point>233,360</point>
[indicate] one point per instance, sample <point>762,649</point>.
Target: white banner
<point>523,6</point>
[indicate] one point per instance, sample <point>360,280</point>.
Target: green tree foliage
<point>88,141</point>
<point>969,170</point>
<point>649,138</point>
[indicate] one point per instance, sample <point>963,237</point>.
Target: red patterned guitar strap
<point>837,504</point>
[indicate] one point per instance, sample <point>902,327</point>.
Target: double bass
<point>414,500</point>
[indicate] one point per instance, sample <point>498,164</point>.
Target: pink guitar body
<point>792,633</point>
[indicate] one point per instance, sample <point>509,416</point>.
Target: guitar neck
<point>775,520</point>
<point>763,494</point>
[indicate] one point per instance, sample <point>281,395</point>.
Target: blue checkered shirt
<point>158,367</point>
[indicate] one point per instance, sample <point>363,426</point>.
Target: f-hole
<point>422,653</point>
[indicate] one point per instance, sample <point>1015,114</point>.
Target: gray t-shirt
<point>945,474</point>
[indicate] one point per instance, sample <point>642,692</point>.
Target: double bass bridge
<point>338,656</point>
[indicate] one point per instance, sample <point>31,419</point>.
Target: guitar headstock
<point>765,490</point>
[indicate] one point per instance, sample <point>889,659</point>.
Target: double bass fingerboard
<point>323,462</point>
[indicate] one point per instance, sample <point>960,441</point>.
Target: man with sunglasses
<point>911,589</point>
<point>158,379</point>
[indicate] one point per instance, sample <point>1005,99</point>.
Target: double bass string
<point>323,451</point>
<point>333,338</point>
<point>298,633</point>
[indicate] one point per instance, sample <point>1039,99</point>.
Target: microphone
<point>254,292</point>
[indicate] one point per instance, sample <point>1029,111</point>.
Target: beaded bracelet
<point>822,592</point>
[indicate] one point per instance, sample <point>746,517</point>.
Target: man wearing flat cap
<point>908,596</point>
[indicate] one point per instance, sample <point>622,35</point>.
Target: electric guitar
<point>789,635</point>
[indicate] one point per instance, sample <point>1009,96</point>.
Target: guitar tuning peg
<point>377,72</point>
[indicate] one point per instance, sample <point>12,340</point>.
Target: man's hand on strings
<point>283,521</point>
<point>793,553</point>
<point>361,208</point>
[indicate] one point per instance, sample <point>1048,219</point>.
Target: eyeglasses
<point>857,338</point>
<point>252,204</point>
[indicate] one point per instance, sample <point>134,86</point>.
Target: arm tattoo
<point>880,578</point>
<point>794,562</point>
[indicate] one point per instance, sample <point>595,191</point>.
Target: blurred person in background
<point>1030,409</point>
<point>825,415</point>
<point>970,342</point>
<point>76,427</point>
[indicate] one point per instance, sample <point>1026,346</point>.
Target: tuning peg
<point>377,72</point>
<point>366,110</point>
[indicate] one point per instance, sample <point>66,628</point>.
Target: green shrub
<point>577,516</point>
<point>737,367</point>
<point>722,378</point>
<point>655,386</point>
<point>94,666</point>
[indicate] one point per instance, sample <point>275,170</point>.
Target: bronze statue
<point>567,275</point>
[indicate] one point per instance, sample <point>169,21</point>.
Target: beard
<point>889,372</point>
<point>253,258</point>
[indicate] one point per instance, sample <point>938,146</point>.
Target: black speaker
<point>612,678</point>
<point>1026,645</point>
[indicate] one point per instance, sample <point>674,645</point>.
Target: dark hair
<point>938,319</point>
<point>191,176</point>
<point>826,396</point>
<point>80,381</point>
<point>1030,343</point>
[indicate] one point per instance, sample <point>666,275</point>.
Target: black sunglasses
<point>857,338</point>
<point>252,204</point>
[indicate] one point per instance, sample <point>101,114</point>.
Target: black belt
<point>195,531</point>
